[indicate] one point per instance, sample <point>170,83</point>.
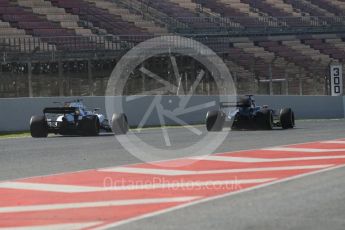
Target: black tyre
<point>38,127</point>
<point>287,118</point>
<point>215,121</point>
<point>238,123</point>
<point>90,126</point>
<point>265,119</point>
<point>119,124</point>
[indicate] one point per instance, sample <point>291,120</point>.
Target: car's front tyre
<point>287,118</point>
<point>215,121</point>
<point>119,124</point>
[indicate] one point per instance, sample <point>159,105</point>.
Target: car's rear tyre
<point>287,118</point>
<point>266,119</point>
<point>119,124</point>
<point>215,121</point>
<point>90,126</point>
<point>38,127</point>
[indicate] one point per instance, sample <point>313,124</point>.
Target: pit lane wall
<point>15,113</point>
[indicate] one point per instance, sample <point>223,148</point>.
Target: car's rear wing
<point>228,104</point>
<point>238,104</point>
<point>60,110</point>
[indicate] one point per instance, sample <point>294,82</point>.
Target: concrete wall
<point>307,107</point>
<point>15,113</point>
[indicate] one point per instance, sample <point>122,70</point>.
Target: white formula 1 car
<point>74,119</point>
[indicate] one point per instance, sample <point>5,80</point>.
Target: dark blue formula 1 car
<point>244,114</point>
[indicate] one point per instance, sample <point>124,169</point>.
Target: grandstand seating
<point>333,6</point>
<point>283,50</point>
<point>126,15</point>
<point>48,31</point>
<point>326,48</point>
<point>276,9</point>
<point>20,41</point>
<point>113,24</point>
<point>237,11</point>
<point>308,8</point>
<point>55,14</point>
<point>64,25</point>
<point>183,14</point>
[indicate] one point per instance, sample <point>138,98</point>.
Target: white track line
<point>333,142</point>
<point>70,226</point>
<point>163,172</point>
<point>303,150</point>
<point>230,158</point>
<point>64,206</point>
<point>170,172</point>
<point>80,189</point>
<point>161,212</point>
<point>261,160</point>
<point>191,184</point>
<point>48,187</point>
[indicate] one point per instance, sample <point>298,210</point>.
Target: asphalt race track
<point>290,201</point>
<point>27,157</point>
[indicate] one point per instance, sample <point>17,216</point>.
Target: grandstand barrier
<point>303,61</point>
<point>16,112</point>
